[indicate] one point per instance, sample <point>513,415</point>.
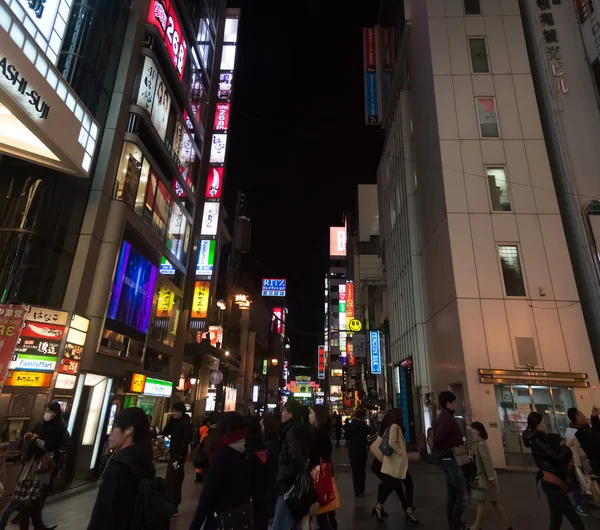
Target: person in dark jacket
<point>227,484</point>
<point>552,457</point>
<point>295,451</point>
<point>447,436</point>
<point>272,437</point>
<point>256,455</point>
<point>130,462</point>
<point>337,427</point>
<point>179,428</point>
<point>357,435</point>
<point>589,438</point>
<point>321,448</point>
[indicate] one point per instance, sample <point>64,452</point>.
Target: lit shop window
<point>488,117</point>
<point>178,234</point>
<point>228,57</point>
<point>498,186</point>
<point>231,30</point>
<point>161,210</point>
<point>514,284</point>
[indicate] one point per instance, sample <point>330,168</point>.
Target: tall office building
<point>113,119</point>
<point>481,288</point>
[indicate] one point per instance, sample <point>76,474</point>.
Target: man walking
<point>357,434</point>
<point>446,437</point>
<point>179,428</point>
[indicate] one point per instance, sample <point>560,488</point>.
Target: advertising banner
<point>163,17</point>
<point>65,382</point>
<point>372,103</point>
<point>321,359</point>
<point>210,219</point>
<point>218,148</point>
<point>230,399</point>
<point>375,353</point>
<point>206,257</point>
<point>273,287</point>
<point>11,321</point>
<point>222,117</point>
<point>147,89</point>
<point>225,83</point>
<point>214,183</point>
<point>29,379</point>
<point>216,335</point>
<point>160,108</point>
<point>337,241</point>
<point>349,303</point>
<point>200,302</point>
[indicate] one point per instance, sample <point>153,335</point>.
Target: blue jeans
<point>457,492</point>
<point>283,518</point>
<point>11,508</point>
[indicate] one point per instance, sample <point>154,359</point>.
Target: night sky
<point>298,143</point>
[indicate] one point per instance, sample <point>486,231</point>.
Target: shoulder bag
<point>385,447</point>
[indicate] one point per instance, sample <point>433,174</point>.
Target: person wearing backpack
<point>128,479</point>
<point>226,489</point>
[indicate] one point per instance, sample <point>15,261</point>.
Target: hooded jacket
<point>548,454</point>
<point>228,482</point>
<point>119,487</point>
<point>295,450</point>
<point>181,432</point>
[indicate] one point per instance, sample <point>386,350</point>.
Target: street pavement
<point>517,492</point>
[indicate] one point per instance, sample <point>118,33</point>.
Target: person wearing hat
<point>41,452</point>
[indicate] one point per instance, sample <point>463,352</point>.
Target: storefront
<point>518,393</point>
<point>151,395</point>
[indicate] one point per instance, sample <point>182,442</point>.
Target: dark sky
<point>298,144</point>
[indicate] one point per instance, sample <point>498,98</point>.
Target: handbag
<point>335,503</point>
<point>46,465</point>
<point>461,456</point>
<point>237,518</point>
<point>323,481</point>
<point>301,495</point>
<point>374,448</point>
<point>385,446</point>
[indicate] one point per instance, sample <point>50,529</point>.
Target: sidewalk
<point>517,492</point>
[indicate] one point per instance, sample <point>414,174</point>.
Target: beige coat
<point>485,486</point>
<point>396,465</point>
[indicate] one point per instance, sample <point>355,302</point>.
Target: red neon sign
<point>163,17</point>
<point>214,183</point>
<point>222,117</point>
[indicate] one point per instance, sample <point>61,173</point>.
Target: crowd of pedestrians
<point>276,473</point>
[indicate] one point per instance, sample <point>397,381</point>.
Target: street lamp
<point>274,362</point>
<point>227,353</point>
<point>221,305</point>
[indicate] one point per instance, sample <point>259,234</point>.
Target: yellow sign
<point>200,302</point>
<point>137,383</point>
<point>36,379</point>
<point>355,325</point>
<point>165,302</point>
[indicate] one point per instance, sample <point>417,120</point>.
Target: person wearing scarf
<point>228,482</point>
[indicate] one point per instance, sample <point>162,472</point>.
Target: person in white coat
<point>394,469</point>
<point>485,486</point>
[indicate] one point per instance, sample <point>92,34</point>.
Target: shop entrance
<point>515,402</point>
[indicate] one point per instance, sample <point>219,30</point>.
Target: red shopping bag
<point>324,483</point>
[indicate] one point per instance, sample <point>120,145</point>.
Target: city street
<point>518,494</point>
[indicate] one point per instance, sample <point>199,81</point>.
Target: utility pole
<point>584,268</point>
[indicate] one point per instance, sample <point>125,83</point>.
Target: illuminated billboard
<point>206,257</point>
<point>273,287</point>
<point>200,301</point>
<point>210,219</point>
<point>222,117</point>
<point>375,352</point>
<point>163,17</point>
<point>214,183</point>
<point>372,96</point>
<point>337,241</point>
<point>218,147</point>
<point>321,359</point>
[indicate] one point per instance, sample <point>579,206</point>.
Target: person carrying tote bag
<point>395,467</point>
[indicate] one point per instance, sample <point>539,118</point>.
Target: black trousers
<point>33,510</point>
<point>560,505</point>
<point>359,473</point>
<point>389,484</point>
<point>174,477</point>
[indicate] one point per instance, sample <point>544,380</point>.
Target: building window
<point>498,187</point>
<point>479,60</point>
<point>512,273</point>
<point>488,118</point>
<point>472,7</point>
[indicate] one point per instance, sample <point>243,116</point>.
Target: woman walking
<point>321,448</point>
<point>394,471</point>
<point>485,486</point>
<point>41,450</point>
<point>552,457</point>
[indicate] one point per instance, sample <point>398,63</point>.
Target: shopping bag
<point>301,495</point>
<point>335,503</point>
<point>323,483</point>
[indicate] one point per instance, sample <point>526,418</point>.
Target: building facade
<point>115,239</point>
<point>481,290</point>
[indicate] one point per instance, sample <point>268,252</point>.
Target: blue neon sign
<point>375,353</point>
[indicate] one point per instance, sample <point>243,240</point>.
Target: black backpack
<point>154,504</point>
